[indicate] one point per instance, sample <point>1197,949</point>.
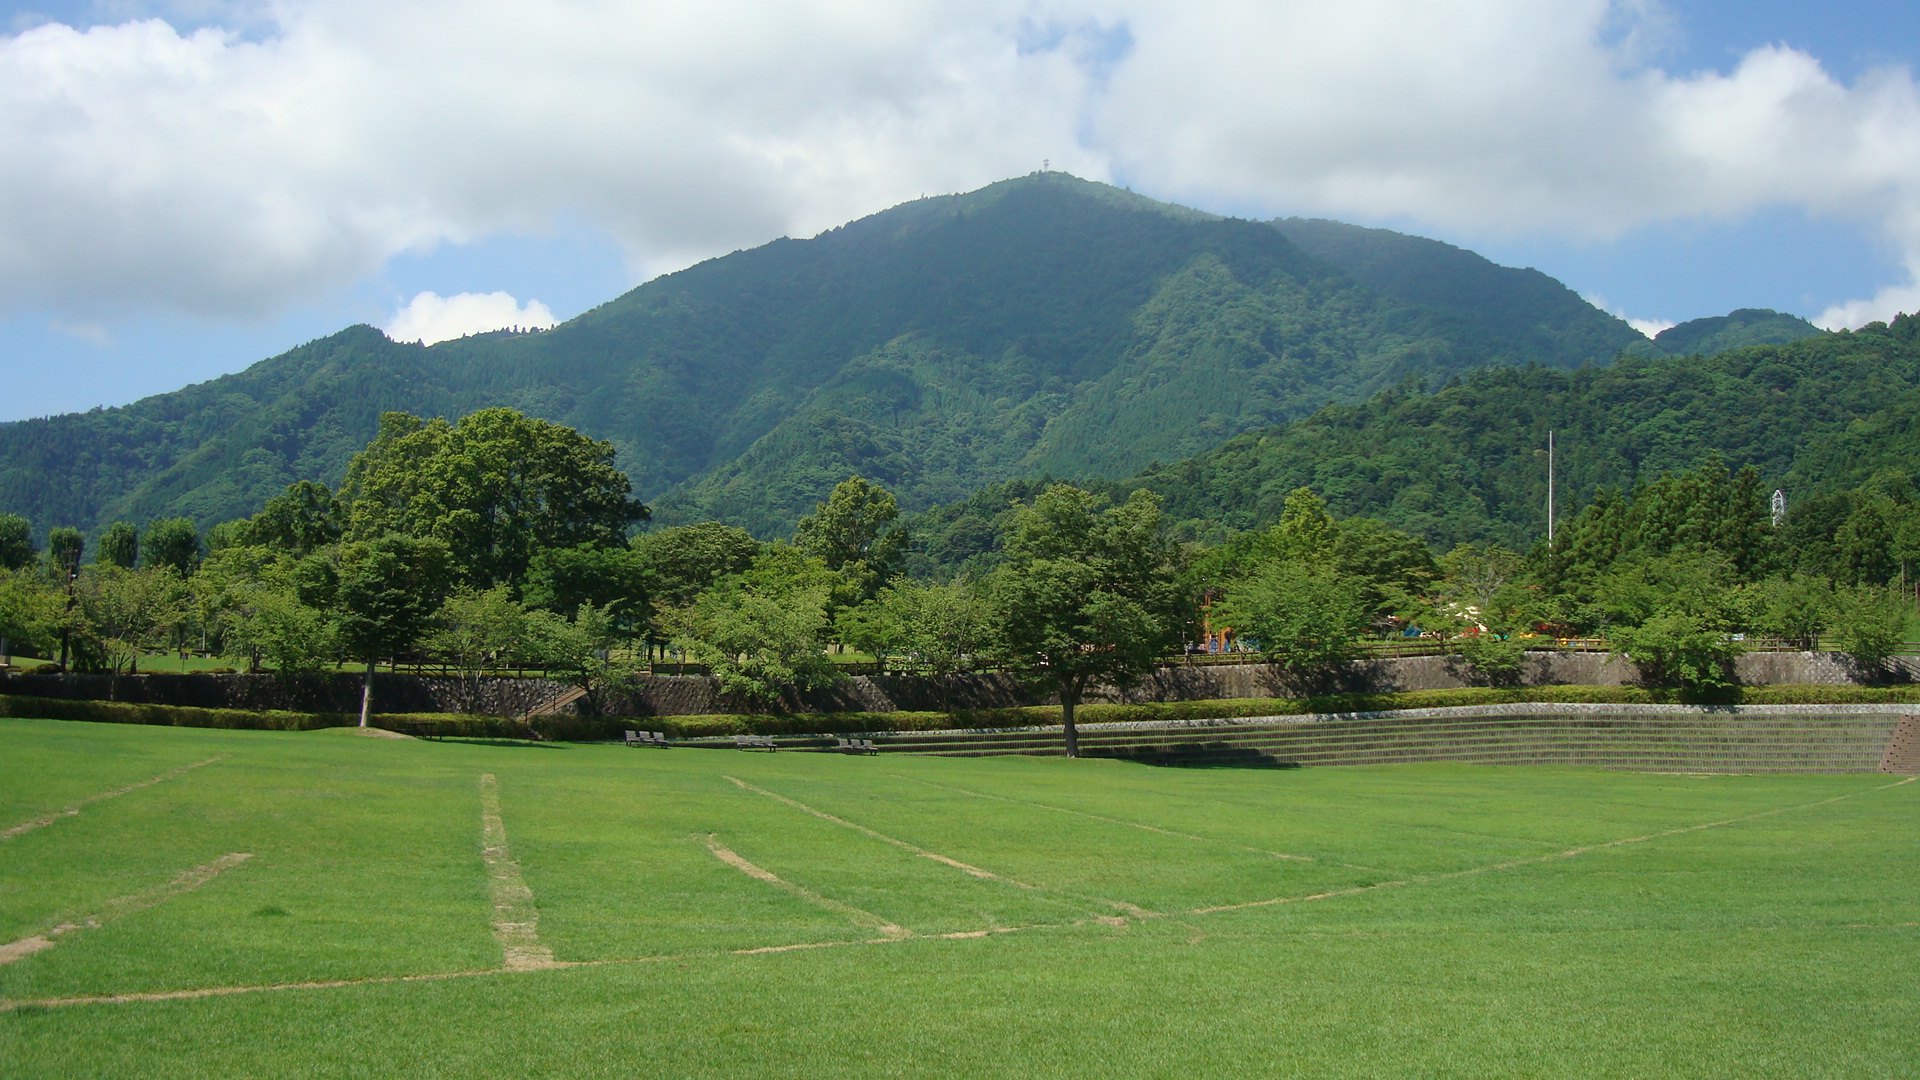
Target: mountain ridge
<point>1043,323</point>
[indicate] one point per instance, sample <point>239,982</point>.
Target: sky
<point>190,186</point>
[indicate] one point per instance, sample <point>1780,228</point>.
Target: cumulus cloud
<point>430,317</point>
<point>294,148</point>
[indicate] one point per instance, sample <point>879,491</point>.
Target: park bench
<point>855,746</point>
<point>648,738</point>
<point>754,742</point>
<point>422,729</point>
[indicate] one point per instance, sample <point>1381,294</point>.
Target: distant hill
<point>1523,306</point>
<point>1737,330</point>
<point>1466,461</point>
<point>1042,324</point>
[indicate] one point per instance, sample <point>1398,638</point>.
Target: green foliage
<point>849,532</point>
<point>761,639</point>
<point>938,629</point>
<point>30,611</point>
<point>65,546</point>
<point>1736,330</point>
<point>1457,465</point>
<point>270,627</point>
<point>302,519</point>
<point>476,630</point>
<point>578,649</point>
<point>682,561</point>
<point>560,580</point>
<point>1305,617</point>
<point>1044,324</point>
<point>494,488</point>
<point>16,543</point>
<point>126,613</point>
<point>1676,647</point>
<point>387,592</point>
<point>173,543</point>
<point>1797,608</point>
<point>1089,593</point>
<point>119,546</point>
<point>1872,624</point>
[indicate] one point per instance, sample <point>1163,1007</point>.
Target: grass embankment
<point>597,729</point>
<point>860,917</point>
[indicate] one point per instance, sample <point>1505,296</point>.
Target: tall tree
<point>388,590</point>
<point>682,561</point>
<point>1089,593</point>
<point>302,519</point>
<point>119,546</point>
<point>850,533</point>
<point>172,542</point>
<point>494,488</point>
<point>16,543</point>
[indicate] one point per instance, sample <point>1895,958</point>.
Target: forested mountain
<point>1466,462</point>
<point>1747,326</point>
<point>1043,324</point>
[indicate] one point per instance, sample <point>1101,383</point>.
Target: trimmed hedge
<point>599,729</point>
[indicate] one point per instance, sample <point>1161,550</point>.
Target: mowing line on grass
<point>136,997</point>
<point>1135,825</point>
<point>186,881</point>
<point>857,917</point>
<point>71,811</point>
<point>1535,859</point>
<point>885,839</point>
<point>1121,905</point>
<point>516,922</point>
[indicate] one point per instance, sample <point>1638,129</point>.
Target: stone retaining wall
<point>690,695</point>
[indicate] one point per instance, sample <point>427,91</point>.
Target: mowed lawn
<point>323,904</point>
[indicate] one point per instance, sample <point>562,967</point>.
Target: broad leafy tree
<point>385,594</point>
<point>494,488</point>
<point>171,542</point>
<point>119,546</point>
<point>852,532</point>
<point>1089,594</point>
<point>16,543</point>
<point>303,519</point>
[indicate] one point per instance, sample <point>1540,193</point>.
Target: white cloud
<point>90,332</point>
<point>1881,306</point>
<point>430,317</point>
<point>1652,328</point>
<point>229,172</point>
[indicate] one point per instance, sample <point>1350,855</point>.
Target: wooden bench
<point>754,742</point>
<point>422,729</point>
<point>855,746</point>
<point>648,738</point>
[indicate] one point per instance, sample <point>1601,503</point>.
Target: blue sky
<point>155,239</point>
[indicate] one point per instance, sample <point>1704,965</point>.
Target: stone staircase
<point>1752,739</point>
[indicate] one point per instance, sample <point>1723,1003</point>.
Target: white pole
<point>1549,489</point>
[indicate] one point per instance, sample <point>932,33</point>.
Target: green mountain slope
<point>1525,307</point>
<point>1466,462</point>
<point>1040,324</point>
<point>1737,330</point>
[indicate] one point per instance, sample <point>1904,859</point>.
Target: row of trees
<point>503,541</point>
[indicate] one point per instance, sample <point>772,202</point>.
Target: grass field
<point>328,905</point>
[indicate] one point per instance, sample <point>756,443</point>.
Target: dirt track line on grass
<point>186,881</point>
<point>72,811</point>
<point>1118,905</point>
<point>865,919</point>
<point>964,868</point>
<point>1536,859</point>
<point>516,922</point>
<point>1123,821</point>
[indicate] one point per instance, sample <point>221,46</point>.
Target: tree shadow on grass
<point>519,744</point>
<point>1214,755</point>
